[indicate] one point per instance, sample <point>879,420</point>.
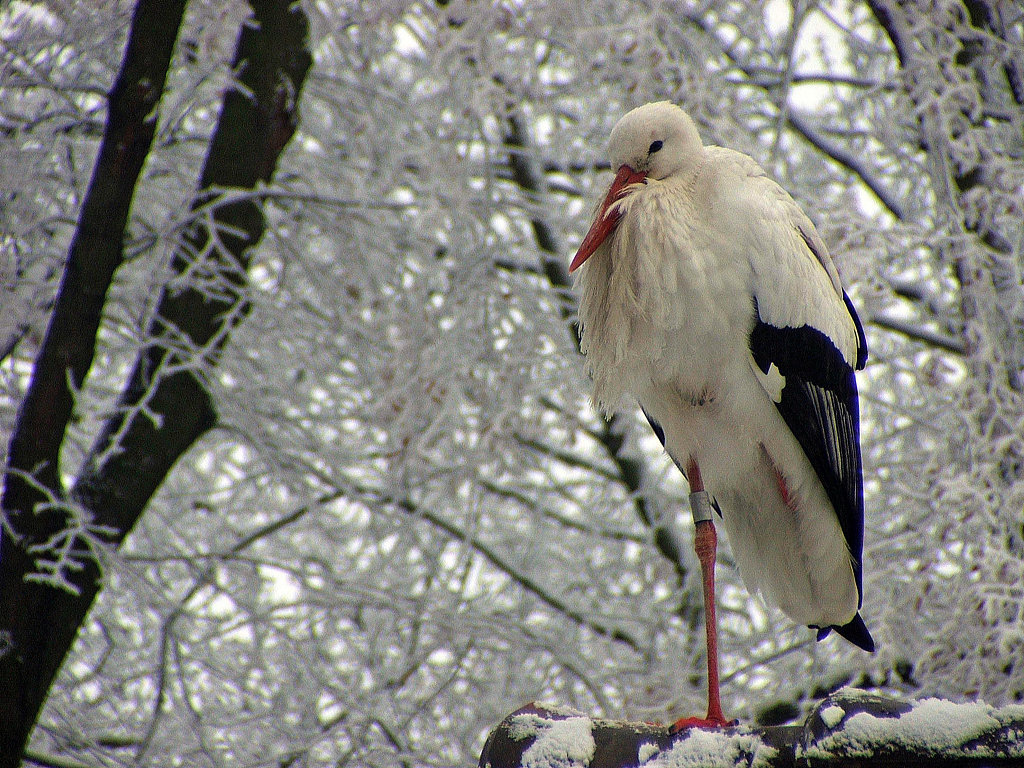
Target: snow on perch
<point>711,749</point>
<point>849,727</point>
<point>539,736</point>
<point>855,724</point>
<point>556,742</point>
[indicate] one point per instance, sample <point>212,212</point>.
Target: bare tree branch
<point>917,333</point>
<point>956,182</point>
<point>799,124</point>
<point>840,155</point>
<point>524,580</point>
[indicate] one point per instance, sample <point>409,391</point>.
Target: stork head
<point>655,141</point>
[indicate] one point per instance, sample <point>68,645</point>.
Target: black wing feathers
<point>658,431</point>
<point>819,405</point>
<point>862,342</point>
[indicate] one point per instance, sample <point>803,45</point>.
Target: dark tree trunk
<point>38,623</point>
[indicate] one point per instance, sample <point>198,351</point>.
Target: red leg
<point>706,546</point>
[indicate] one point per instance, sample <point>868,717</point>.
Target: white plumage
<point>708,296</point>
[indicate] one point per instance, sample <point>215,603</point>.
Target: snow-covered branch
<point>848,728</point>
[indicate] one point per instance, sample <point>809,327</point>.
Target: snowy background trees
<point>405,518</point>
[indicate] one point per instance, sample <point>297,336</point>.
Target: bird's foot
<point>711,721</point>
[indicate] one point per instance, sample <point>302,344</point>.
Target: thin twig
<point>917,333</point>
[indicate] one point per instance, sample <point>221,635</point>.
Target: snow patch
<point>646,752</point>
<point>832,715</point>
<point>712,749</point>
<point>559,743</point>
<point>526,726</point>
<point>1012,713</point>
<point>933,725</point>
<point>558,710</point>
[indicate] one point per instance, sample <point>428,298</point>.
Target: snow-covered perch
<point>850,727</point>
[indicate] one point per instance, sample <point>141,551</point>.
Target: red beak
<point>608,219</point>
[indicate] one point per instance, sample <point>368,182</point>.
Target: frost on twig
<point>63,553</point>
<point>850,727</point>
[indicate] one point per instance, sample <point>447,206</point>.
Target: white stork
<point>709,296</point>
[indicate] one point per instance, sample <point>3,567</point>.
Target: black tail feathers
<point>856,632</point>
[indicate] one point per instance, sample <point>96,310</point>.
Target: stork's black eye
<point>655,146</point>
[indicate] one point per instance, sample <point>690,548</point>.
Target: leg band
<point>701,506</point>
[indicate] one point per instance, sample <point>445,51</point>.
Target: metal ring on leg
<point>701,507</point>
